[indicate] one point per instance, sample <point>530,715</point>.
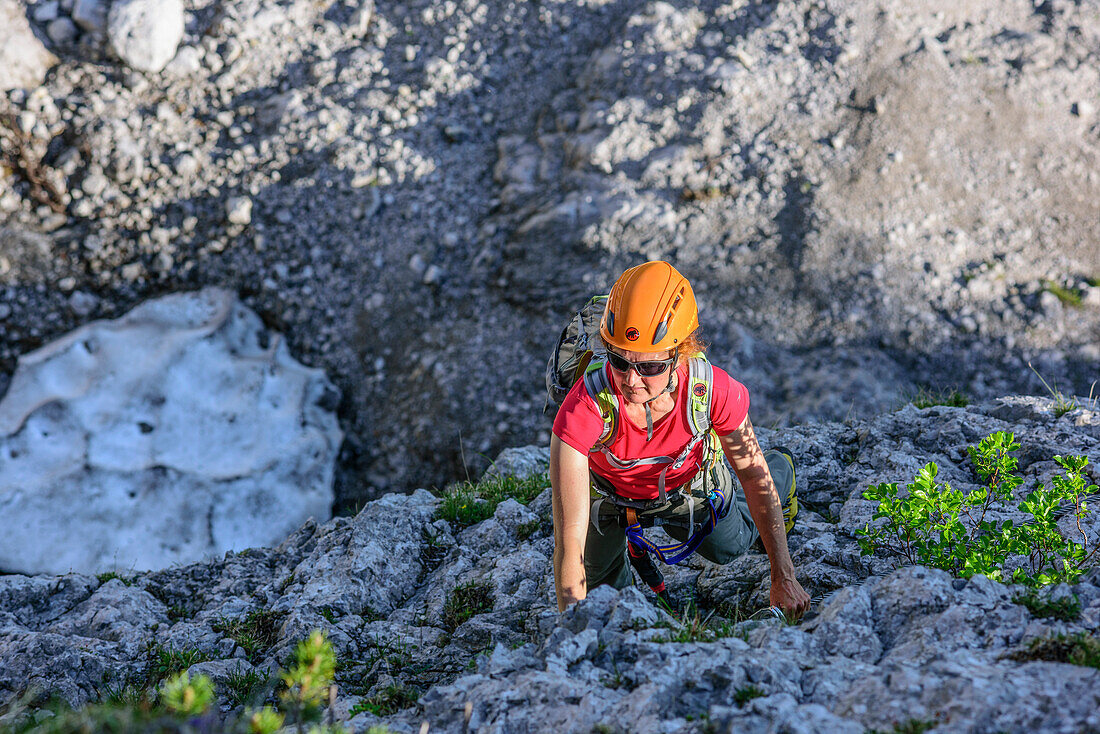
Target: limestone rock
<point>889,646</point>
<point>520,462</point>
<point>91,15</point>
<point>145,33</point>
<point>24,61</point>
<point>181,430</point>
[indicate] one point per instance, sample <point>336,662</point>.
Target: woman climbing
<point>638,442</point>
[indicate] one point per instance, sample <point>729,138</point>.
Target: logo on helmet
<point>700,390</point>
<point>632,334</point>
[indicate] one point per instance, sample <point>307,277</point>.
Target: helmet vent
<point>662,329</point>
<point>611,323</point>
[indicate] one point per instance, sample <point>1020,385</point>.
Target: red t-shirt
<point>579,424</point>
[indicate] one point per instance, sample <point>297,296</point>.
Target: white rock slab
<point>24,61</point>
<point>179,431</point>
<point>145,33</point>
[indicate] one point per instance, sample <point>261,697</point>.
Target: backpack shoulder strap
<point>700,384</point>
<point>599,389</point>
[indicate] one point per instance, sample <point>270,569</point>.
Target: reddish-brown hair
<point>693,344</point>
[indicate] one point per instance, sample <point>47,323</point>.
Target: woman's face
<point>634,387</point>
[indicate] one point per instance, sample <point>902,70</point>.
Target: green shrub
<point>936,525</point>
<point>1041,605</point>
<point>309,677</point>
<point>1078,649</point>
<point>467,503</point>
<point>265,721</point>
<point>186,697</point>
<point>464,602</point>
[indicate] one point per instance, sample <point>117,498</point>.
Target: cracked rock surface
<point>885,646</point>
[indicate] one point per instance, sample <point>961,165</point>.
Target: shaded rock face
<point>177,432</point>
<point>886,647</point>
<point>24,61</point>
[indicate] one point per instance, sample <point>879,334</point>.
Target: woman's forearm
<point>569,482</point>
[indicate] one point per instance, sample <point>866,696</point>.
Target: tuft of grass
<point>244,686</point>
<point>1041,605</point>
<point>388,701</point>
<point>256,632</point>
<point>286,583</point>
<point>105,577</point>
<point>467,503</point>
<point>1062,404</point>
<point>464,602</point>
<point>1068,296</point>
<point>527,529</point>
<point>1078,649</point>
<point>123,693</point>
<point>176,612</point>
<point>166,661</point>
<point>912,726</point>
<point>604,728</point>
<point>705,193</point>
<point>951,397</point>
<point>694,627</point>
<point>745,694</point>
<point>395,655</point>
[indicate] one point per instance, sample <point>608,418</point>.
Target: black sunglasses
<point>645,369</point>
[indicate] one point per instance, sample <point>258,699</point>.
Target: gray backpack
<point>578,346</point>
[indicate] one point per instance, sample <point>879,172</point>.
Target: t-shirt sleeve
<point>578,422</point>
<point>730,403</point>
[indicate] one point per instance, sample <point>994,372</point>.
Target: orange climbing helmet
<point>651,308</point>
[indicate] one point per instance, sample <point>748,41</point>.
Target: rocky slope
<point>867,195</point>
<point>433,619</point>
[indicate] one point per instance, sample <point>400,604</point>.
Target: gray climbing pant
<point>605,555</point>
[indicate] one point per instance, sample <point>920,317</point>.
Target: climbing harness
<point>716,503</point>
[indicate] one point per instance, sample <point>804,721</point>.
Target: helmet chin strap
<point>648,412</point>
